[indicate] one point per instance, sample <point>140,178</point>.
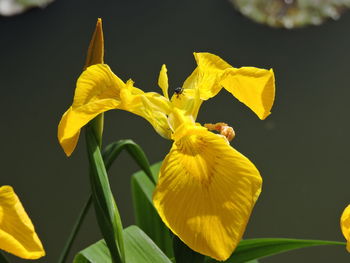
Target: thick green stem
<point>97,126</point>
<point>111,152</point>
<point>106,210</point>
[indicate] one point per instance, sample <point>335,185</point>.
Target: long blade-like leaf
<point>250,249</point>
<point>106,209</point>
<point>110,154</point>
<point>97,252</point>
<point>139,248</point>
<point>146,216</point>
<point>112,150</point>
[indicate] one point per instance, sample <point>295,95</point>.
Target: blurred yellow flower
<point>17,233</point>
<point>345,226</point>
<point>206,189</point>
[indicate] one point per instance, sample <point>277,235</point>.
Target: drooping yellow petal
<point>155,110</point>
<point>151,106</point>
<point>206,191</point>
<point>97,91</point>
<point>96,48</point>
<point>17,233</point>
<point>345,226</point>
<point>163,81</point>
<point>252,86</point>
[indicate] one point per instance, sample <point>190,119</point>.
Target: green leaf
<point>146,216</point>
<point>155,168</point>
<point>139,248</point>
<point>184,254</point>
<point>97,252</point>
<point>250,249</point>
<point>106,209</point>
<point>112,151</point>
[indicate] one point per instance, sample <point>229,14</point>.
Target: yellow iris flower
<point>206,188</point>
<point>17,233</point>
<point>345,226</point>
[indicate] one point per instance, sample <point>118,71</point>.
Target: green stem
<point>75,230</point>
<point>106,210</point>
<point>97,127</point>
<point>111,152</point>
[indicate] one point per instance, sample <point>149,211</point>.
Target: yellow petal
<point>96,48</point>
<point>98,90</point>
<point>178,118</point>
<point>345,226</point>
<point>17,233</point>
<point>206,191</point>
<point>97,83</point>
<point>151,106</point>
<point>189,100</point>
<point>252,86</point>
<point>155,110</point>
<point>163,81</point>
<point>211,69</point>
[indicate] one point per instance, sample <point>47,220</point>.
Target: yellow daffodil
<point>345,226</point>
<point>206,188</point>
<point>17,233</point>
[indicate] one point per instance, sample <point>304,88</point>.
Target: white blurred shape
<point>15,7</point>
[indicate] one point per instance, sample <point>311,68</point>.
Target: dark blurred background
<point>302,149</point>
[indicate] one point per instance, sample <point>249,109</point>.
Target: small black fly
<point>178,91</point>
